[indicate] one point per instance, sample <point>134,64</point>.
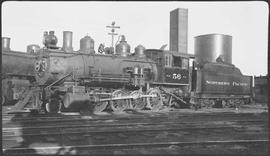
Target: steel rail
<point>106,124</point>
<point>133,145</point>
<point>120,130</point>
<point>135,116</point>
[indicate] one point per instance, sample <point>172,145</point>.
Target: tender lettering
<point>226,83</point>
<point>239,84</point>
<point>218,83</point>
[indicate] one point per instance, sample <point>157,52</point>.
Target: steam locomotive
<point>112,81</point>
<point>17,72</point>
<point>146,79</point>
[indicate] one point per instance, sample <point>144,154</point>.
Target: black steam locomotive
<point>145,79</point>
<point>17,72</point>
<point>109,81</point>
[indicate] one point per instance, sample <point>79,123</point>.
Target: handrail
<point>70,74</point>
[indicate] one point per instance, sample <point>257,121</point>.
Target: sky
<point>145,23</point>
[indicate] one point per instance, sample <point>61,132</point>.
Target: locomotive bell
<point>122,48</point>
<point>49,40</point>
<point>139,51</point>
<point>87,44</point>
<point>6,43</point>
<point>32,48</point>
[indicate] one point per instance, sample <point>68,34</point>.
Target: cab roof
<point>174,53</point>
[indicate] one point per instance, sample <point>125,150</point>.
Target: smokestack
<point>67,41</point>
<point>179,30</point>
<point>6,43</point>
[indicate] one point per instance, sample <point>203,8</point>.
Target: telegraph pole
<point>113,27</point>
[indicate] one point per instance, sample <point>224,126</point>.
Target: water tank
<point>213,48</point>
<point>87,44</point>
<point>122,48</point>
<point>67,41</point>
<point>32,48</point>
<point>49,40</point>
<point>6,43</point>
<point>139,51</point>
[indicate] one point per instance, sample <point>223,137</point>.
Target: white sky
<point>145,23</point>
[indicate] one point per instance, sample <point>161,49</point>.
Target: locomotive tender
<point>215,80</point>
<point>147,78</point>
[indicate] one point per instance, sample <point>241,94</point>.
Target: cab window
<point>185,63</point>
<point>180,62</point>
<point>177,61</point>
<point>168,60</point>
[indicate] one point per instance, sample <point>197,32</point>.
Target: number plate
<point>176,75</point>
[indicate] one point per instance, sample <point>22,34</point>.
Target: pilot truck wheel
<point>53,106</point>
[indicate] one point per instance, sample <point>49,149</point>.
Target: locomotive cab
<point>173,67</point>
<point>173,75</point>
<point>176,68</point>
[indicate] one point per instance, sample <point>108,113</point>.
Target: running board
<point>125,98</point>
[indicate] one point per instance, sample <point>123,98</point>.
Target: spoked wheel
<point>118,105</point>
<point>137,103</point>
<point>53,106</point>
<point>100,106</point>
<point>154,103</point>
<point>211,104</point>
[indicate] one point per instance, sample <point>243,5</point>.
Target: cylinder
<point>139,51</point>
<point>87,44</point>
<point>122,48</point>
<point>213,48</point>
<point>6,43</point>
<point>67,41</point>
<point>32,48</point>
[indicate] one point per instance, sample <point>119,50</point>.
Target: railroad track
<point>109,148</point>
<point>111,133</point>
<point>113,128</point>
<point>110,124</point>
<point>172,130</point>
<point>133,112</point>
<point>46,118</point>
